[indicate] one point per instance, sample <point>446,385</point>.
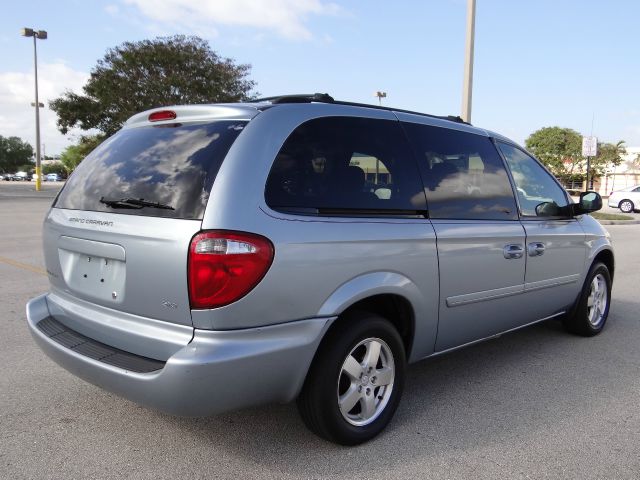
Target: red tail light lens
<point>162,115</point>
<point>224,266</point>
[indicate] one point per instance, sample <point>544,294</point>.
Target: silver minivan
<point>212,257</point>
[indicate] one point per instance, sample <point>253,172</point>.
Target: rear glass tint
<point>174,165</point>
<point>464,176</point>
<point>346,163</point>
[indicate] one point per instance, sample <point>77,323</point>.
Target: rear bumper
<point>216,372</point>
<point>613,203</point>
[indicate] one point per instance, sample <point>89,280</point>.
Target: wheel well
<point>606,257</point>
<point>394,308</point>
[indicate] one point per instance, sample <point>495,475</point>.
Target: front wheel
<point>592,310</point>
<point>355,382</point>
<point>626,206</point>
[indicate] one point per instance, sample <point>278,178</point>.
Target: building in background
<point>624,175</point>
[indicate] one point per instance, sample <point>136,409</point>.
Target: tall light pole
<point>42,35</point>
<point>468,61</point>
<point>380,96</point>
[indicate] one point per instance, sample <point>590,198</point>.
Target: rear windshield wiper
<point>133,203</point>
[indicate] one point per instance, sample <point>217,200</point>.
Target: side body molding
<point>423,301</point>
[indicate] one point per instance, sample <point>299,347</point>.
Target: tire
<point>592,309</point>
<point>626,206</point>
<point>342,374</point>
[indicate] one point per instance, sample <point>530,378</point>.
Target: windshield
<point>172,165</point>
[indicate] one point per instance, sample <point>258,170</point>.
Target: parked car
<point>627,199</point>
<point>52,177</point>
<point>236,258</point>
<point>18,176</point>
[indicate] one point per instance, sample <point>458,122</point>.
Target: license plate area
<point>96,276</point>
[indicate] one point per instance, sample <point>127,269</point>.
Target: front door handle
<point>535,249</point>
<point>513,251</point>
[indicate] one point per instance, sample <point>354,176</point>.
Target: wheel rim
<point>365,382</point>
<point>626,206</point>
<point>597,300</point>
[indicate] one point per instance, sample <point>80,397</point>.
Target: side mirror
<point>589,202</point>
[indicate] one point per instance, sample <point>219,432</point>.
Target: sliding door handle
<point>513,251</point>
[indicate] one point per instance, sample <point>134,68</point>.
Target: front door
<point>556,248</point>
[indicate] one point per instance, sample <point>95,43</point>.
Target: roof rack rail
<point>298,98</point>
<point>326,98</point>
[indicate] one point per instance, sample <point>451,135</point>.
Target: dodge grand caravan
<point>213,257</point>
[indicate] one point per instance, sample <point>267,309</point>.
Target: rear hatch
<point>118,233</point>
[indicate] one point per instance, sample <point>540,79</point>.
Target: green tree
<point>14,153</point>
<point>56,167</point>
<point>560,149</point>
<point>74,154</point>
<point>610,154</point>
<point>137,76</point>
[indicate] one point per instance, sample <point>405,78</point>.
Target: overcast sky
<point>538,63</point>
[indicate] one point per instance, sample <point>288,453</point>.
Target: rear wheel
<point>626,206</point>
<point>592,309</point>
<point>355,382</point>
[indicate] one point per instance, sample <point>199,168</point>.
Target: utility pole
<point>468,61</point>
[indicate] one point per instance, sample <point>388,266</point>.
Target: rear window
<point>172,165</point>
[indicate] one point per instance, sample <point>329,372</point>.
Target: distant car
<point>52,177</point>
<point>16,177</point>
<point>627,199</point>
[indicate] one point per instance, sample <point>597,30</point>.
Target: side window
<point>539,195</point>
<point>349,163</point>
<point>464,176</point>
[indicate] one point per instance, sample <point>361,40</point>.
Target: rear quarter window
<point>172,164</point>
<point>346,165</point>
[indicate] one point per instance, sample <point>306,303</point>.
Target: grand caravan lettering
<point>91,221</point>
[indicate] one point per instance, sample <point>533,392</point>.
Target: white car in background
<point>627,199</point>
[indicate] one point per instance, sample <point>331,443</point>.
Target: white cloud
<point>17,116</point>
<point>112,10</point>
<point>285,17</point>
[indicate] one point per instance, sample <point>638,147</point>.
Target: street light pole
<point>38,160</point>
<point>468,61</point>
<point>42,35</point>
<point>380,96</point>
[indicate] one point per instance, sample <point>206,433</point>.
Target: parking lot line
<point>24,266</point>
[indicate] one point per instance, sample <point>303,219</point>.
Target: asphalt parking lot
<point>538,403</point>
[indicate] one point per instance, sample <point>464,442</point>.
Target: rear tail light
<point>224,266</point>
